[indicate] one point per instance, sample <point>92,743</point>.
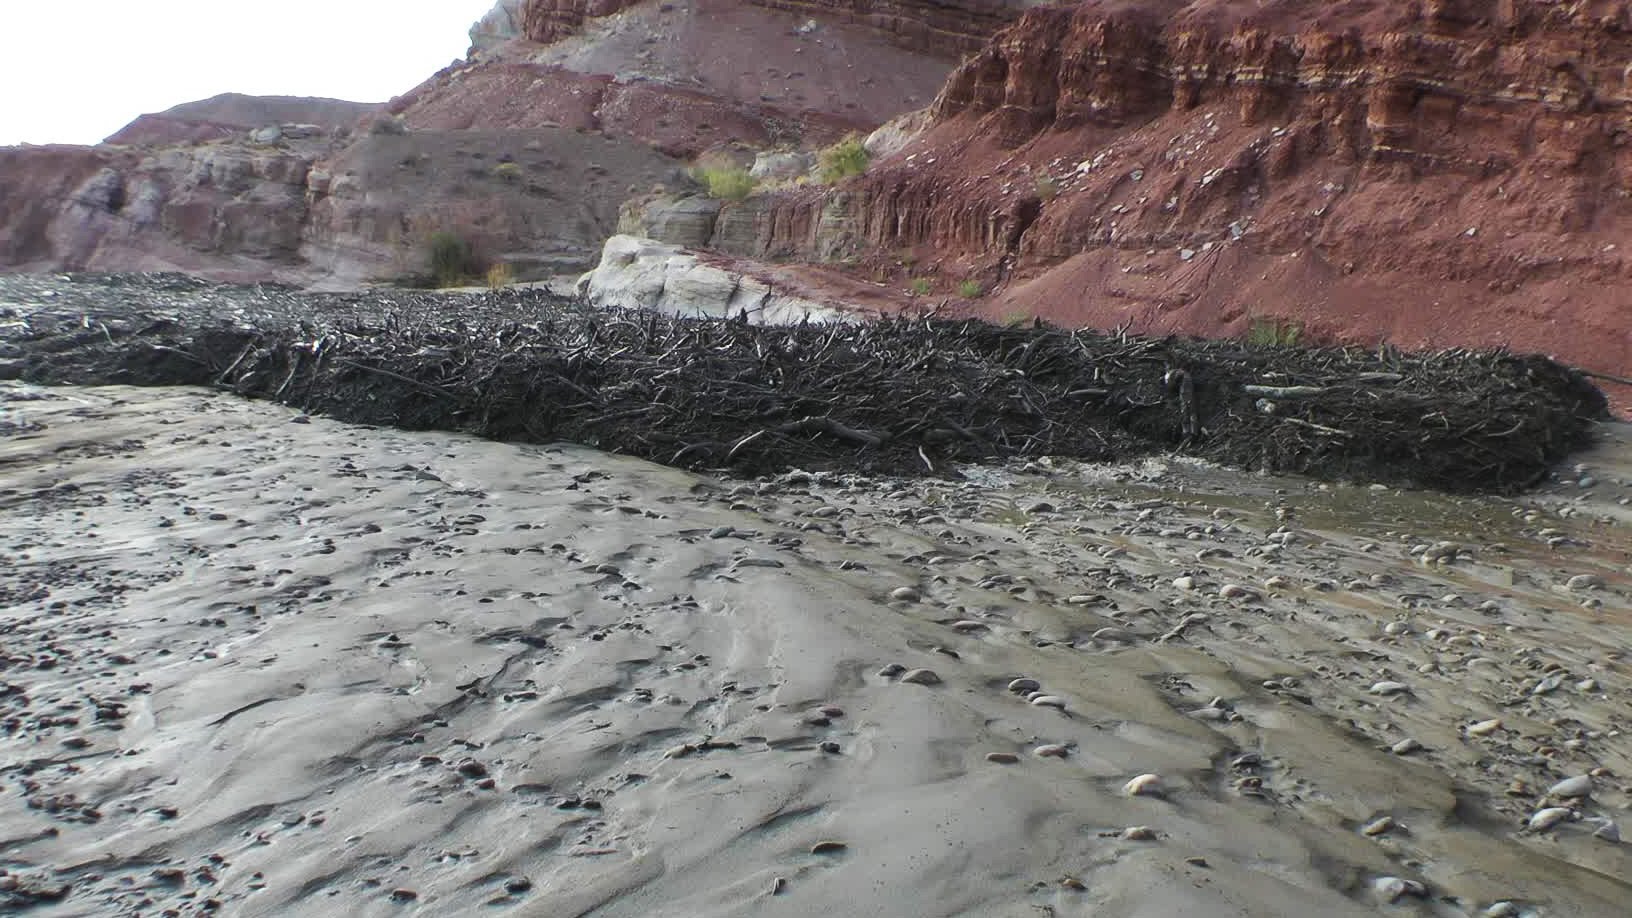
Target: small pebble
<point>1138,833</point>
<point>1548,685</point>
<point>1049,701</point>
<point>1503,909</point>
<point>921,677</point>
<point>1184,583</point>
<point>828,847</point>
<point>1396,628</point>
<point>1237,591</point>
<point>1051,751</point>
<point>891,670</point>
<point>1002,758</point>
<point>1485,727</point>
<point>969,626</point>
<point>1377,826</point>
<point>1390,889</point>
<point>905,594</point>
<point>1578,786</point>
<point>1584,582</point>
<point>1386,688</point>
<point>1405,746</point>
<point>1144,786</point>
<point>1115,635</point>
<point>1548,817</point>
<point>1022,685</point>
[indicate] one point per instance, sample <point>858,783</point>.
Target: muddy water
<point>262,664</point>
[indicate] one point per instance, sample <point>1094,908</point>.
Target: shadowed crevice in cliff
<point>896,396</point>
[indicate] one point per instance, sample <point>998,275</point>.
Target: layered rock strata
<point>1424,173</point>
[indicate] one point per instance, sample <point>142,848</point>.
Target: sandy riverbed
<point>271,665</point>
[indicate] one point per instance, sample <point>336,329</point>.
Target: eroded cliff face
<point>1426,173</point>
<point>233,211</point>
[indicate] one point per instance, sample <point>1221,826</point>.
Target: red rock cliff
<point>1422,172</point>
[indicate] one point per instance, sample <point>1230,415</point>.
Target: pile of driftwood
<point>896,396</point>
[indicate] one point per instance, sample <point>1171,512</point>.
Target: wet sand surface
<point>261,664</point>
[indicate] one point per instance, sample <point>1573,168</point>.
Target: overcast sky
<point>75,72</point>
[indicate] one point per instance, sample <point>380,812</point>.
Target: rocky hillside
<point>1423,173</point>
<point>230,114</point>
<point>563,110</point>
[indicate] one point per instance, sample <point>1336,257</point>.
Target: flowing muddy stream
<point>258,663</point>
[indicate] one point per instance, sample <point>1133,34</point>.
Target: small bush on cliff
<point>500,274</point>
<point>970,289</point>
<point>727,182</point>
<point>1274,331</point>
<point>508,172</point>
<point>846,158</point>
<point>449,258</point>
<point>920,286</point>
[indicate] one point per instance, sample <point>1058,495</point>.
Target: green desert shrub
<point>846,158</point>
<point>508,172</point>
<point>920,286</point>
<point>726,182</point>
<point>449,258</point>
<point>970,289</point>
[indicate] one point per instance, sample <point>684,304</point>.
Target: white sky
<point>76,71</point>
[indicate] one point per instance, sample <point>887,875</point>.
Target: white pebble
<point>1397,628</point>
<point>1545,819</point>
<point>1116,635</point>
<point>969,626</point>
<point>1022,685</point>
<point>1184,583</point>
<point>1049,701</point>
<point>905,594</point>
<point>1584,582</point>
<point>1485,727</point>
<point>1051,751</point>
<point>1388,688</point>
<point>1138,833</point>
<point>1390,889</point>
<point>921,677</point>
<point>1405,747</point>
<point>1578,786</point>
<point>1548,685</point>
<point>1237,591</point>
<point>1144,786</point>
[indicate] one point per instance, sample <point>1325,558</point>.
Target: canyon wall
<point>1426,173</point>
